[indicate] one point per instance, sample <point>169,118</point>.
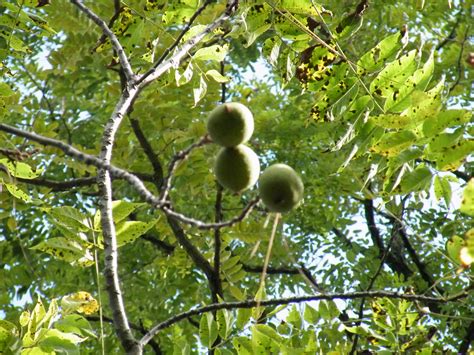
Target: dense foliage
<point>113,224</point>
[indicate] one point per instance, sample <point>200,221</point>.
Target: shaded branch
<point>452,35</point>
<point>342,237</point>
<point>218,245</point>
<point>392,261</point>
<point>459,62</point>
<point>153,344</point>
<point>373,230</point>
<point>124,63</point>
<point>462,175</point>
<point>300,299</point>
<point>468,339</point>
<point>147,148</point>
<point>398,226</point>
<point>199,260</point>
<point>168,249</point>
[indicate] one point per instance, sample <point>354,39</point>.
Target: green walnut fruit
<point>230,124</point>
<point>237,168</point>
<point>280,188</point>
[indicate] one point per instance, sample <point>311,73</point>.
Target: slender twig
<point>452,34</point>
<point>300,299</point>
<point>180,156</point>
<point>202,225</point>
<point>186,28</point>
<point>124,63</point>
<point>182,51</point>
<point>459,62</point>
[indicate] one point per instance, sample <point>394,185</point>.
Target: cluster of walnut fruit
<point>237,167</point>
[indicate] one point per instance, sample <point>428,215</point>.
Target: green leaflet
<point>208,331</point>
<point>394,74</point>
<point>467,203</point>
<point>442,189</point>
<point>391,144</point>
<point>67,250</point>
<point>128,231</point>
<point>400,100</point>
<point>214,53</point>
<point>375,58</point>
<point>20,169</point>
<point>416,180</point>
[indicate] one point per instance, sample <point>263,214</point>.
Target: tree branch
<point>399,227</point>
<point>202,225</point>
<point>459,62</point>
<point>468,339</point>
<point>158,69</point>
<point>104,183</point>
<point>199,260</point>
<point>392,261</point>
<point>218,245</point>
<point>342,237</point>
<point>124,63</point>
<point>168,249</point>
<point>88,159</point>
<point>300,299</point>
<point>174,163</point>
<point>153,344</point>
<point>147,148</point>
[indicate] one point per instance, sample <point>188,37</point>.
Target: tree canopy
<point>115,235</point>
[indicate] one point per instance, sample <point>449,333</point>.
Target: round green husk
<point>280,188</point>
<point>230,124</point>
<point>237,168</point>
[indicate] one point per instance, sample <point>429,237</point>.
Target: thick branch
<point>88,159</point>
<point>373,230</point>
<point>104,183</point>
<point>199,260</point>
<point>395,263</point>
<point>300,299</point>
<point>124,63</point>
<point>398,226</point>
<point>168,249</point>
